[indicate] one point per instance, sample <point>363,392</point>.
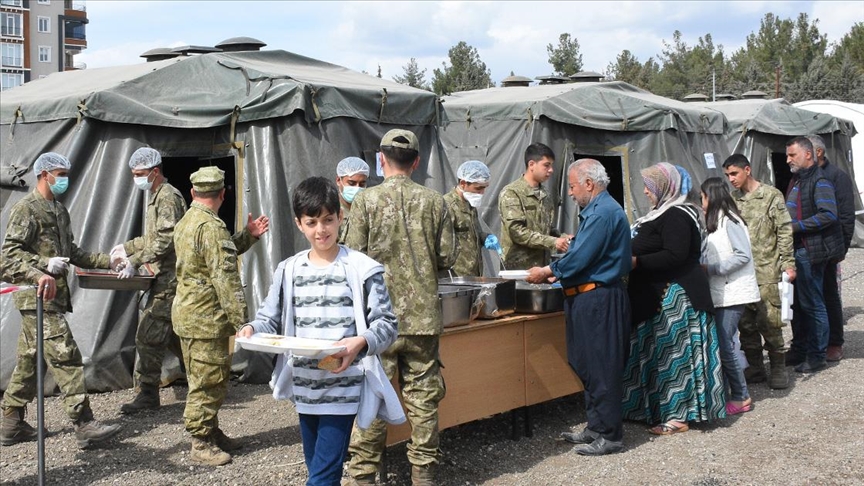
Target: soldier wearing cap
<point>39,244</point>
<point>209,308</point>
<point>156,248</point>
<point>351,176</point>
<point>407,227</point>
<point>462,202</point>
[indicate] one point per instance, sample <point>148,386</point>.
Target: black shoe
<point>600,447</point>
<point>793,359</point>
<point>584,437</point>
<point>810,366</point>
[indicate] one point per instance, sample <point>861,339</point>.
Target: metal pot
<point>496,296</point>
<point>539,298</point>
<point>457,304</point>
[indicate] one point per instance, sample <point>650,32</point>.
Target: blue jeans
<point>810,325</point>
<point>325,445</point>
<point>727,325</point>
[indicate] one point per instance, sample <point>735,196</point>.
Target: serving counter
<point>494,366</point>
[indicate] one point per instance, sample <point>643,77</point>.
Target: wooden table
<point>494,366</point>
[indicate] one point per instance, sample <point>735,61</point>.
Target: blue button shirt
<point>601,250</point>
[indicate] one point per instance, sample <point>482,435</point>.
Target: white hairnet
<point>144,158</point>
<point>352,165</point>
<point>473,171</point>
<point>50,161</point>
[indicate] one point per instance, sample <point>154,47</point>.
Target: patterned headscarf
<point>669,184</point>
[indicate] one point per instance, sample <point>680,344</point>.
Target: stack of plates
<point>513,274</point>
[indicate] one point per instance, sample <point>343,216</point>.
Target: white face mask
<point>473,198</point>
<point>144,183</point>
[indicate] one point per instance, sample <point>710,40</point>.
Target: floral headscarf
<point>669,184</point>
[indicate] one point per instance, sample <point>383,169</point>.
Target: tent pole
<point>40,390</point>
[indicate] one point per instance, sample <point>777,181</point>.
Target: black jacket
<point>815,225</point>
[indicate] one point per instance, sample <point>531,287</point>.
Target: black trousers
<point>598,340</point>
<point>833,305</point>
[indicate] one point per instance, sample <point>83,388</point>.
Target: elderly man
<point>155,247</point>
<point>39,243</point>
<point>818,240</point>
<point>473,179</point>
<point>526,213</point>
<point>210,307</point>
<point>351,176</point>
<point>844,192</point>
<point>597,307</point>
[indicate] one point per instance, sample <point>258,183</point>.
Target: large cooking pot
<point>496,296</point>
<point>457,304</point>
<point>539,298</point>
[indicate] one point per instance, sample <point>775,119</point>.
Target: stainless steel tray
<point>538,298</point>
<point>107,280</point>
<point>496,297</point>
<point>457,304</point>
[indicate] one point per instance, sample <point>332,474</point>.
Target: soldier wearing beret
<point>209,308</point>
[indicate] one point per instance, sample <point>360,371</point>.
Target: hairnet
<point>144,158</point>
<point>473,171</point>
<point>352,165</point>
<point>50,161</point>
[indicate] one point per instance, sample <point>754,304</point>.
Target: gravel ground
<point>811,433</point>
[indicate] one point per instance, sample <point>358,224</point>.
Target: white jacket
<point>729,261</point>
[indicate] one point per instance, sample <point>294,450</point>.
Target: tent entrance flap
<point>178,169</point>
<point>780,169</point>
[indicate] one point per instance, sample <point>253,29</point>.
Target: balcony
<point>78,6</point>
<point>8,31</point>
<point>13,62</point>
<point>11,3</point>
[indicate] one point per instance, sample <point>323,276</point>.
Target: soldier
<point>526,214</point>
<point>462,203</point>
<point>39,243</point>
<point>156,247</point>
<point>764,210</point>
<point>351,176</point>
<point>406,227</point>
<point>209,308</point>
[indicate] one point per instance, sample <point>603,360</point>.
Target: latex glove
<point>57,265</point>
<point>492,243</point>
<point>117,255</point>
<point>127,271</point>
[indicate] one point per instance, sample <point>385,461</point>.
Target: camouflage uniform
<point>526,224</point>
<point>156,247</point>
<point>406,227</point>
<point>469,238</point>
<point>39,229</point>
<point>209,308</point>
<point>343,228</point>
<point>769,223</point>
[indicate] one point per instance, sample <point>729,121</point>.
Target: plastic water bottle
<point>787,297</point>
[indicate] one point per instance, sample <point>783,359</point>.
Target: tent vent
<point>694,97</point>
<point>186,50</point>
<point>552,79</point>
<point>587,77</point>
<point>159,54</point>
<point>724,97</point>
<point>755,95</point>
<point>510,81</point>
<point>236,44</point>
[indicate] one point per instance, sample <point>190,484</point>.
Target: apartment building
<point>40,37</point>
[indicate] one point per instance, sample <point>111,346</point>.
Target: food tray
<point>107,280</point>
<point>513,274</point>
<point>539,298</point>
<point>276,344</point>
<point>497,296</point>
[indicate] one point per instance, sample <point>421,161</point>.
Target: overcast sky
<point>509,36</point>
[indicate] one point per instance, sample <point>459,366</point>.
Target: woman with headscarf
<point>673,375</point>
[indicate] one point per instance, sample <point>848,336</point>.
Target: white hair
<point>590,169</point>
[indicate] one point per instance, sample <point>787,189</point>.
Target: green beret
<point>208,179</point>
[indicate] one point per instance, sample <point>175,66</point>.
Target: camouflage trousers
<point>61,355</point>
<point>762,321</point>
<point>155,335</point>
<point>416,360</point>
<point>208,366</point>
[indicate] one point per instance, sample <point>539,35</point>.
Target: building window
<point>11,3</point>
<point>44,24</point>
<point>44,53</point>
<point>11,24</point>
<point>10,80</point>
<point>13,54</point>
<point>44,2</point>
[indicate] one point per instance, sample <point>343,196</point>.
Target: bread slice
<point>329,363</point>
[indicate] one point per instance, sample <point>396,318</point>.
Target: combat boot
<point>13,428</point>
<point>222,441</point>
<point>362,480</point>
<point>755,372</point>
<point>208,454</point>
<point>89,431</point>
<point>146,399</point>
<point>423,475</point>
<point>779,378</point>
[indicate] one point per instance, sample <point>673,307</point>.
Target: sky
<point>508,35</point>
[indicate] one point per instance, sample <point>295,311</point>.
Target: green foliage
<point>565,59</point>
<point>414,76</point>
<point>465,72</point>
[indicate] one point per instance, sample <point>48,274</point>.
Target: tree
<point>465,72</point>
<point>566,58</point>
<point>413,77</point>
<point>626,68</point>
<point>851,46</point>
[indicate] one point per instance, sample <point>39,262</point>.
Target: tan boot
<point>203,452</point>
<point>146,399</point>
<point>13,428</point>
<point>222,441</point>
<point>755,372</point>
<point>423,475</point>
<point>779,378</point>
<point>89,431</point>
<point>363,480</point>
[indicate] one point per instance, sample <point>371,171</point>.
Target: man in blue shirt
<point>597,308</point>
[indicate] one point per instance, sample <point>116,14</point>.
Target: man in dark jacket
<point>818,240</point>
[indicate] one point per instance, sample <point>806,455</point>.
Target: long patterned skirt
<point>674,371</point>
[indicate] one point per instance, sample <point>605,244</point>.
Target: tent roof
<point>202,91</point>
<point>613,106</point>
<point>777,117</point>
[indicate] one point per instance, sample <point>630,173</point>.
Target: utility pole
<point>777,82</point>
<point>713,86</point>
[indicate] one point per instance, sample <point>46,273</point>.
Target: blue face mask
<point>60,185</point>
<point>348,193</point>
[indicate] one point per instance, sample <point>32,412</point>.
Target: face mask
<point>60,185</point>
<point>348,193</point>
<point>473,198</point>
<point>144,183</point>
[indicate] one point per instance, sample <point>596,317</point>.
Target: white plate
<point>273,343</point>
<point>513,274</point>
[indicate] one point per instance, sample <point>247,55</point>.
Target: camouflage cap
<point>208,179</point>
<point>404,139</point>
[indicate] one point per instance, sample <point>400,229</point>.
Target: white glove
<point>57,265</point>
<point>128,270</point>
<point>118,253</point>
